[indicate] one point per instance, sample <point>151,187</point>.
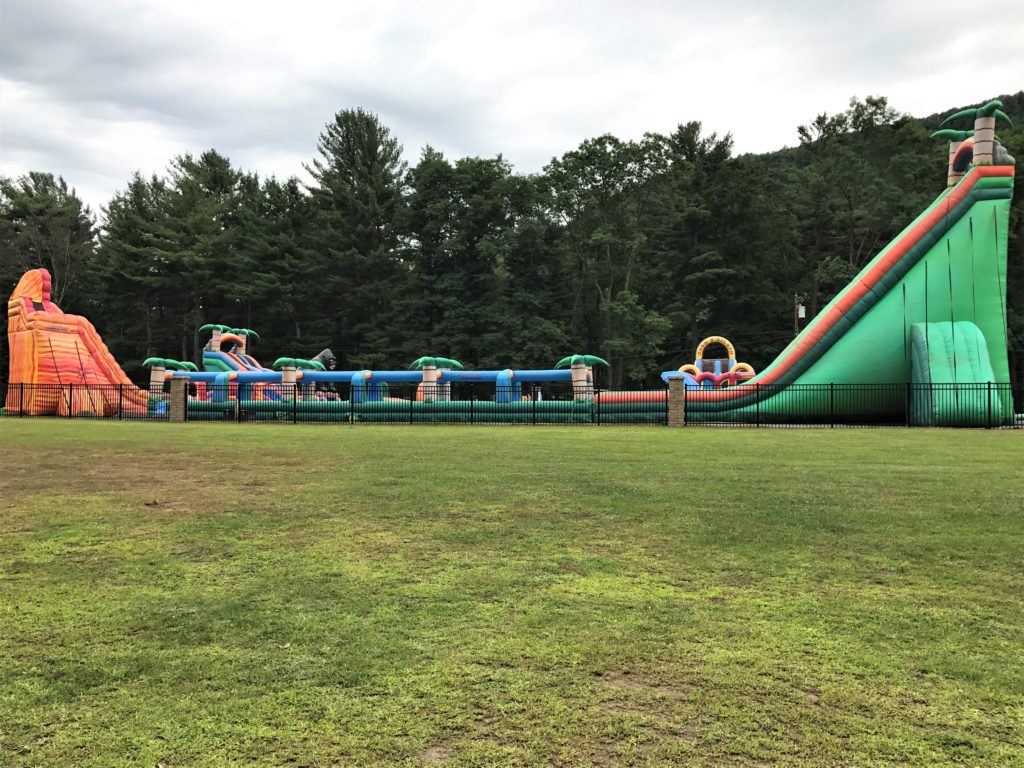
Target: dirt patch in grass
<point>626,682</point>
<point>434,755</point>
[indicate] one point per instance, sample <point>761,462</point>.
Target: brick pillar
<point>676,403</point>
<point>178,405</point>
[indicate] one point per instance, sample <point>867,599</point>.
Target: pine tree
<point>359,180</point>
<point>43,223</point>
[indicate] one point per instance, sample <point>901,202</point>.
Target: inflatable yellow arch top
<point>723,376</point>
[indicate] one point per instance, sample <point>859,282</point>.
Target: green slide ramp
<point>952,376</point>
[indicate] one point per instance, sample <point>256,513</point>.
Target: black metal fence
<point>120,402</point>
<point>809,405</point>
<point>457,403</point>
<point>988,405</point>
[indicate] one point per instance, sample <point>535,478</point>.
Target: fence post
<point>535,405</point>
<point>21,400</point>
<point>177,406</point>
<point>472,399</point>
<point>120,402</point>
<point>832,405</point>
<point>412,399</point>
<point>990,405</point>
<point>906,403</point>
<point>295,402</point>
<point>676,403</point>
<point>757,404</point>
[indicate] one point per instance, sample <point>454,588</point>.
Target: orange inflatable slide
<point>63,363</point>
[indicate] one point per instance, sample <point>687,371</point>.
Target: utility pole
<point>799,312</point>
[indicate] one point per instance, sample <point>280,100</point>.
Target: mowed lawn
<point>208,595</point>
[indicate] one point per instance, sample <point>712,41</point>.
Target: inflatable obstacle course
<point>712,373</point>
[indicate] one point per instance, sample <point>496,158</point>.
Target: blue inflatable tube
<point>516,376</point>
<point>477,376</point>
<point>333,377</point>
<point>221,387</point>
<point>205,376</point>
<point>564,374</point>
<point>370,386</point>
<point>242,377</point>
<point>253,377</point>
<point>391,377</point>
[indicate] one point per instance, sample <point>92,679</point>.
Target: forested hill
<point>632,250</point>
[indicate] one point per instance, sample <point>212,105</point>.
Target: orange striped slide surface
<point>52,348</point>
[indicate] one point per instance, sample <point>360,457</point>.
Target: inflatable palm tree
<point>985,118</point>
<point>574,360</point>
<point>168,364</point>
<point>435,362</point>
<point>215,329</point>
<point>157,366</point>
<point>298,363</point>
<point>582,382</point>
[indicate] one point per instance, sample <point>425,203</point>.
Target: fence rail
<point>987,405</point>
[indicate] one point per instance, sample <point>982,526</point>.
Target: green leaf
<point>435,362</point>
<point>951,134</point>
<point>971,113</point>
<point>588,360</point>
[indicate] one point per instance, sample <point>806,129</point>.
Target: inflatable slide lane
<point>62,356</point>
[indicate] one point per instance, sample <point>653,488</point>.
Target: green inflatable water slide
<point>929,309</point>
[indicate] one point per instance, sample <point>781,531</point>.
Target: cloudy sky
<point>96,89</point>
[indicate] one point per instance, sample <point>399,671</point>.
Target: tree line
<point>632,250</point>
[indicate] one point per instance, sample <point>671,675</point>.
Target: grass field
<point>207,595</point>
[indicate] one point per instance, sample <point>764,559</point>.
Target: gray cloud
<point>95,90</point>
